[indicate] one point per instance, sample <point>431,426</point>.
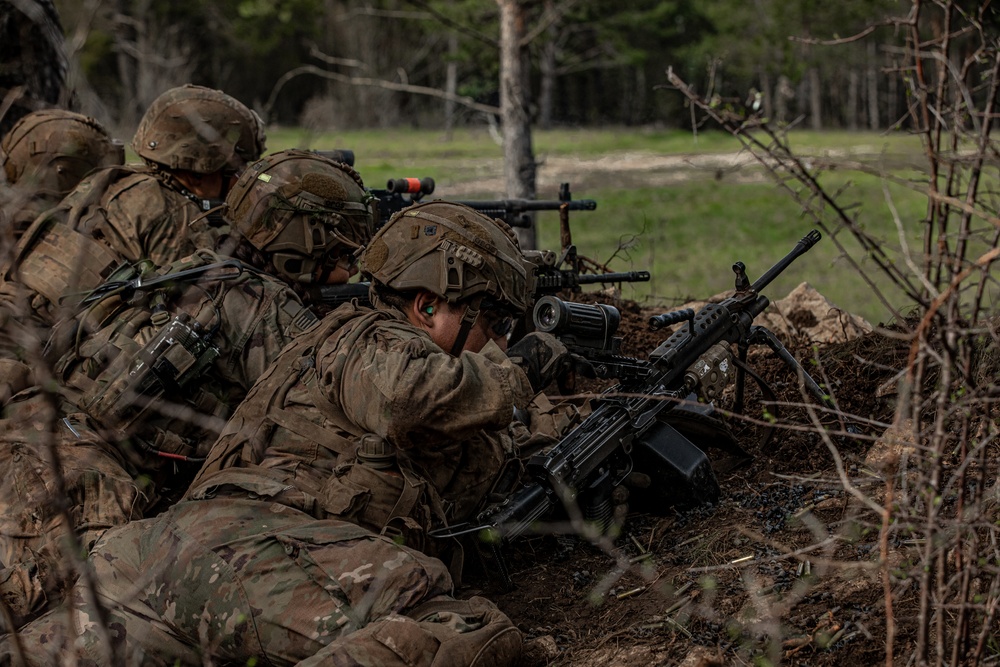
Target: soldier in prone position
<point>302,539</point>
<point>154,364</point>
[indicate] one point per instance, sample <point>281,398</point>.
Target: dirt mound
<point>807,313</point>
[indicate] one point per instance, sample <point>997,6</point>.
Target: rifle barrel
<point>522,205</point>
<point>622,277</point>
<point>803,246</point>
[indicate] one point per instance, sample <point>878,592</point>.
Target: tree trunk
<point>783,93</point>
<point>546,90</point>
<point>131,107</point>
<point>547,69</point>
<point>519,158</point>
<point>893,99</point>
<point>815,100</point>
<point>765,87</point>
<point>641,86</point>
<point>853,88</point>
<point>872,87</point>
<point>451,85</point>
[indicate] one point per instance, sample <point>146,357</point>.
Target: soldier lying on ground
<point>149,373</point>
<point>194,142</point>
<point>44,156</point>
<point>302,539</point>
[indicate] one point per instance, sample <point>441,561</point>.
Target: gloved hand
<point>542,357</point>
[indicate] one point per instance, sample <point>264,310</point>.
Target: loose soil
<point>781,569</point>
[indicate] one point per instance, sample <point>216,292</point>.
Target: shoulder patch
<point>303,319</point>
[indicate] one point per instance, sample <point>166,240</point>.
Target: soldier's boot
<point>438,633</point>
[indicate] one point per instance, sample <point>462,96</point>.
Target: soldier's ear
<point>423,308</point>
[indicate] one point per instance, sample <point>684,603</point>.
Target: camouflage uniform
<point>245,580</point>
<point>364,418</point>
<point>117,455</point>
<point>114,217</point>
<point>367,378</point>
<point>248,566</point>
<point>130,213</point>
<point>298,212</point>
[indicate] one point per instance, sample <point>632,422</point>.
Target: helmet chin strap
<point>469,318</point>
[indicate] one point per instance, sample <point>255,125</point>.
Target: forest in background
<point>334,64</point>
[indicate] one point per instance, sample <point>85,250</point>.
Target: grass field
<point>671,203</point>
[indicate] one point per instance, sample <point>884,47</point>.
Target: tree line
<point>338,63</point>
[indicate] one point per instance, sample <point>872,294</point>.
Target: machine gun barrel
<point>802,247</point>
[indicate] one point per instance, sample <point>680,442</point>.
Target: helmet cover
<point>53,149</point>
<point>452,251</point>
<point>300,207</point>
<point>199,129</point>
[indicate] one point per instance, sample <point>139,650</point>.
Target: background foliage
<point>591,62</point>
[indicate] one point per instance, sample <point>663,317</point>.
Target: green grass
<point>688,234</point>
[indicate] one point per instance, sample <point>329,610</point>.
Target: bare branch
<point>455,25</point>
<point>376,83</point>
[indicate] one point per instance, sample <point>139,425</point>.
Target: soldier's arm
<point>413,393</point>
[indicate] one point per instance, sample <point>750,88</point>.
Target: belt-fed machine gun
<point>628,429</point>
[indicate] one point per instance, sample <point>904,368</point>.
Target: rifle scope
<point>584,324</point>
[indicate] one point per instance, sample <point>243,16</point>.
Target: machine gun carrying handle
<point>657,322</point>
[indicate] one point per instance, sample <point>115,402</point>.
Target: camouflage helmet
<point>298,207</point>
<point>453,251</point>
<point>199,129</point>
<point>53,149</point>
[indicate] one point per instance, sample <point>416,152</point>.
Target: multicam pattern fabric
<point>20,207</point>
<point>99,490</point>
<point>360,372</point>
<point>114,216</point>
<point>246,316</point>
<point>108,480</point>
<point>238,581</point>
<point>258,563</point>
<point>140,218</point>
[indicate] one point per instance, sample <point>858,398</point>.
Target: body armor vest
<point>145,373</point>
<point>368,485</point>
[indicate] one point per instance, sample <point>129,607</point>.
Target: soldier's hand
<point>542,357</point>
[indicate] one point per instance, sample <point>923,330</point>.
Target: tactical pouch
<point>383,499</point>
<point>56,260</point>
<point>169,363</point>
